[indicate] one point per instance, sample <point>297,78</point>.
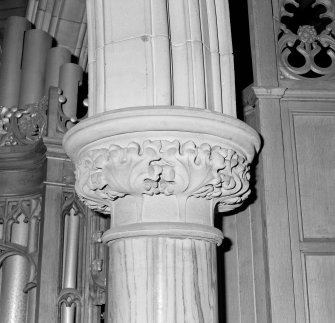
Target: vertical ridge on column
<point>187,54</point>
<point>81,35</point>
<point>100,57</point>
<point>195,51</point>
<point>83,55</point>
<point>211,55</point>
<point>31,10</point>
<point>161,78</point>
<point>91,57</point>
<point>43,17</point>
<point>226,58</point>
<point>58,4</point>
<point>153,65</point>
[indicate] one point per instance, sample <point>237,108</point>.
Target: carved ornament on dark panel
<point>306,40</point>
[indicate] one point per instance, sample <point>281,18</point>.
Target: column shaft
<point>152,157</point>
<point>162,280</point>
<point>152,53</point>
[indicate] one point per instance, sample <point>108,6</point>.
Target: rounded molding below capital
<point>174,230</point>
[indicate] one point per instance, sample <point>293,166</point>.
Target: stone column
<point>157,153</point>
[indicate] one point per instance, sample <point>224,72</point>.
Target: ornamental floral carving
<point>23,125</point>
<point>307,39</point>
<point>161,167</point>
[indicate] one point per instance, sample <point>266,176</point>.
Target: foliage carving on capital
<point>162,167</point>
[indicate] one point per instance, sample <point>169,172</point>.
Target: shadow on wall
<point>225,247</point>
<point>241,49</point>
<point>228,244</point>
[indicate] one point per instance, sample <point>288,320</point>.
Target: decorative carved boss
<point>306,39</point>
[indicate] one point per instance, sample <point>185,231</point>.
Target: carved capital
<point>154,167</point>
<point>162,164</point>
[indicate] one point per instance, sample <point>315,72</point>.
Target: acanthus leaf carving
<point>162,167</point>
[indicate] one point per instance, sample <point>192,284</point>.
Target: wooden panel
<point>308,132</point>
<point>272,192</point>
<point>321,288</point>
<point>263,46</point>
<point>49,276</point>
<point>315,152</point>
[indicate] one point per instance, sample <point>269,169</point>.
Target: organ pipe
<point>57,56</point>
<point>10,70</point>
<point>71,248</point>
<point>36,46</point>
<point>70,77</point>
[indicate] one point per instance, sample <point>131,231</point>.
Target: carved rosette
<point>306,39</point>
<point>162,167</point>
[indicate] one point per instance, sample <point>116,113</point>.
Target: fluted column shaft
<point>162,52</point>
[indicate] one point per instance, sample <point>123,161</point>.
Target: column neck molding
<point>174,230</point>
